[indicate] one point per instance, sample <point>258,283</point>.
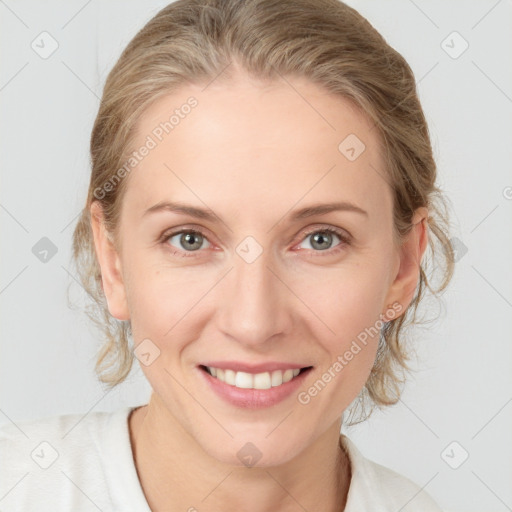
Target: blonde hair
<point>325,41</point>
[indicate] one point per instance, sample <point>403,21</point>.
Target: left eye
<point>321,239</point>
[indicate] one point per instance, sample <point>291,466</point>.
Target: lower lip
<point>254,398</point>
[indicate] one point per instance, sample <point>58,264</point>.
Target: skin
<point>253,152</point>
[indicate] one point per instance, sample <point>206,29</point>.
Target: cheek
<point>162,300</point>
<point>347,300</point>
<point>350,307</point>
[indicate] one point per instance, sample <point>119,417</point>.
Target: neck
<point>177,475</point>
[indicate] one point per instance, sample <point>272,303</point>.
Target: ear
<point>410,255</point>
<point>110,264</point>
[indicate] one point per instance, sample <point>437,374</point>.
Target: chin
<point>253,450</point>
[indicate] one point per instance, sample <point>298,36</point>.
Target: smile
<point>244,380</point>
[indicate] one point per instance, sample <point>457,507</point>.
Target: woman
<point>261,198</point>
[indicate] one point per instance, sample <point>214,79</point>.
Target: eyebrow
<point>209,215</point>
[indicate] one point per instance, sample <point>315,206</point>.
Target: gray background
<point>462,390</point>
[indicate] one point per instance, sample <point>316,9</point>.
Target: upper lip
<point>240,366</point>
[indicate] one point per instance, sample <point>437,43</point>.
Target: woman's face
<point>262,283</point>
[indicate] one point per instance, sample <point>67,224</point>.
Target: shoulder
<point>54,463</point>
<point>376,487</point>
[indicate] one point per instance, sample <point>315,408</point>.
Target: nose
<point>254,302</point>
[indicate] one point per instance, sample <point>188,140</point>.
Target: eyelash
<point>345,240</point>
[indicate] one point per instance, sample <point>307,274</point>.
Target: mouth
<point>258,381</point>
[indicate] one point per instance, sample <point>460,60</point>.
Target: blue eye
<point>320,239</point>
<point>191,241</point>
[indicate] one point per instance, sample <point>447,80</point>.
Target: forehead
<point>251,144</point>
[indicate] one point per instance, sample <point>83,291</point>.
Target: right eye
<point>189,241</point>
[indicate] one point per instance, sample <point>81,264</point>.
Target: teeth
<point>230,377</point>
<point>246,380</point>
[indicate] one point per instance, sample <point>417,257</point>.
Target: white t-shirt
<point>85,463</point>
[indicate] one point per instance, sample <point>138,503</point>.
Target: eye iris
<point>321,236</point>
<point>188,238</point>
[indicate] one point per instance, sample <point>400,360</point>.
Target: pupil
<point>322,237</point>
<point>189,237</point>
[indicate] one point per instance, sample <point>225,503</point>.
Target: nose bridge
<point>252,306</point>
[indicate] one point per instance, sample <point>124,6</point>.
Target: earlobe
<point>410,256</point>
<point>110,264</point>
